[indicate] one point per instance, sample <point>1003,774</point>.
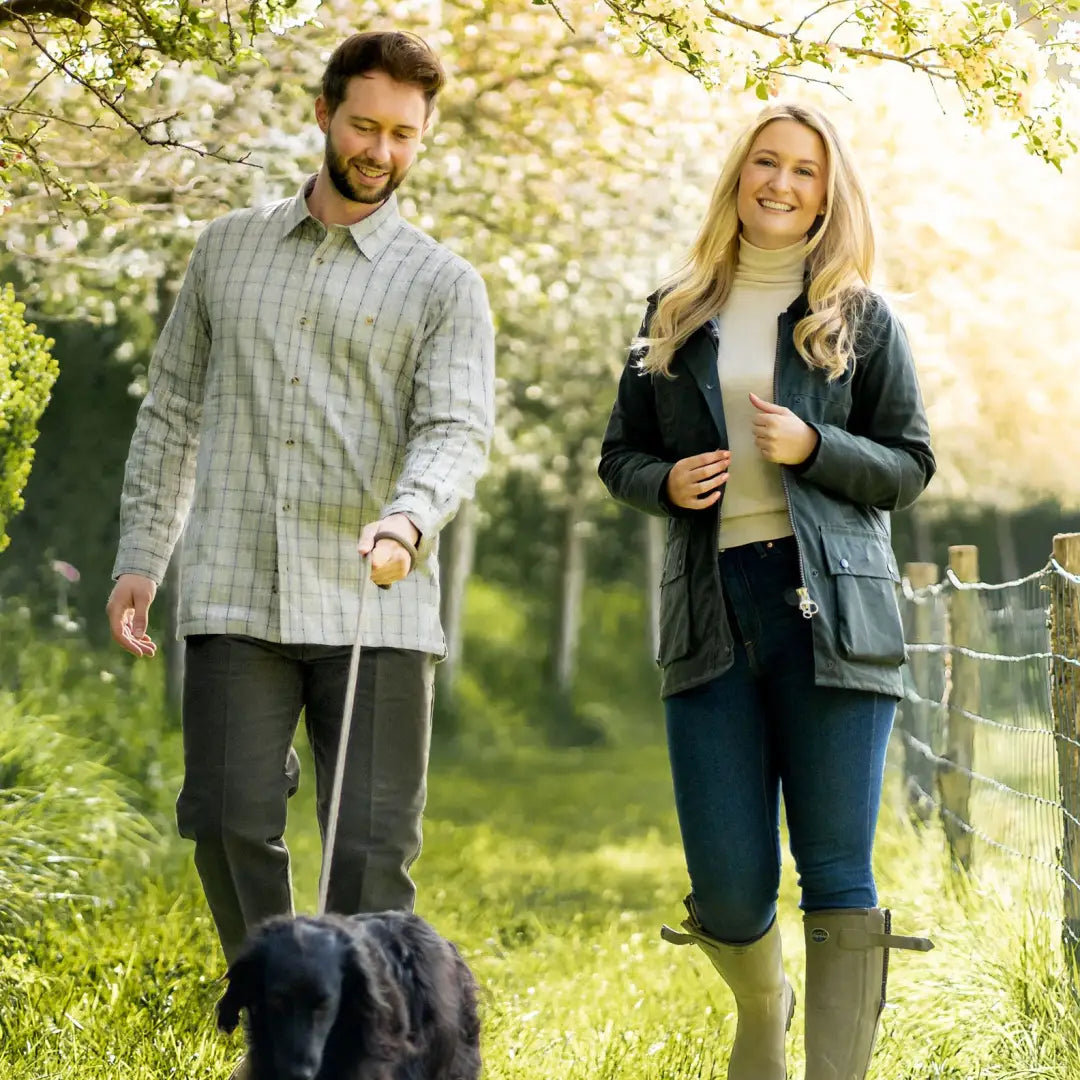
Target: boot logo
<point>819,935</point>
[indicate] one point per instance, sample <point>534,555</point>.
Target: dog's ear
<point>243,981</point>
<point>426,968</point>
<point>373,998</point>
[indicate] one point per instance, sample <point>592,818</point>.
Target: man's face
<point>373,137</point>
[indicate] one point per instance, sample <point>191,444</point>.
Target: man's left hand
<point>780,435</point>
<point>390,561</point>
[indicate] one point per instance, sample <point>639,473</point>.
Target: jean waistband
<point>785,545</point>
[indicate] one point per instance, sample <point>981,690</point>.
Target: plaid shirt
<point>309,380</point>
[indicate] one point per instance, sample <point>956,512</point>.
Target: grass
<point>553,871</point>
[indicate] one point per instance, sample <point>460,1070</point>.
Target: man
<point>326,376</point>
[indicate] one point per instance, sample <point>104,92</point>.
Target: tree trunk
<point>559,717</point>
<point>571,590</point>
<point>457,543</point>
<point>924,537</point>
<point>654,563</point>
<point>1006,543</point>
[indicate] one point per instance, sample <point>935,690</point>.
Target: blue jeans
<point>761,728</point>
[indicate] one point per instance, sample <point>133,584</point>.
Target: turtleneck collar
<point>776,266</point>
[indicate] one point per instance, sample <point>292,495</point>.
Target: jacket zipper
<point>720,501</point>
<point>807,605</point>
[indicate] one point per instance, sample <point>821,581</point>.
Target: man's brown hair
<point>405,57</point>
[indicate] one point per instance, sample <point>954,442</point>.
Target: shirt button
<point>318,260</point>
<point>844,563</point>
<point>288,442</point>
<point>295,379</point>
<point>285,506</point>
<point>303,320</point>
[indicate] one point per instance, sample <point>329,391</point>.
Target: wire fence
<point>990,728</point>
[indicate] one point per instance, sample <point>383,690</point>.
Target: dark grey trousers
<point>241,706</point>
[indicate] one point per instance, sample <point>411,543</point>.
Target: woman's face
<point>782,184</point>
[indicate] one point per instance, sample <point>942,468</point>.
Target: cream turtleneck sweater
<point>766,282</point>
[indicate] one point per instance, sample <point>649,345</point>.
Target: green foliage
<point>104,703</point>
<point>75,747</point>
<point>503,696</point>
<point>27,372</point>
<point>66,828</point>
<point>73,494</point>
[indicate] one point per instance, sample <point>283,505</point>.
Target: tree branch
<point>24,10</point>
<point>142,130</point>
<point>765,30</point>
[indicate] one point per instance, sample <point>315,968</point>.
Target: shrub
<point>27,373</point>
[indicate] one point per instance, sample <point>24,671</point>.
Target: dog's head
<point>315,992</point>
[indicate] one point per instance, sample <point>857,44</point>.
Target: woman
<point>770,410</point>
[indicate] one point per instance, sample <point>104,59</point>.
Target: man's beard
<point>337,169</point>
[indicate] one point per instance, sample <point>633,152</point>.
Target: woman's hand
<point>697,482</point>
<point>780,435</point>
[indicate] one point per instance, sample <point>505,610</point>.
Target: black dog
<point>369,997</point>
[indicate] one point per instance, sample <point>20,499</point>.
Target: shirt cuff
<point>423,518</point>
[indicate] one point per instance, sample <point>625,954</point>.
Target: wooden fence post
<point>954,781</point>
<point>1065,701</point>
<point>916,717</point>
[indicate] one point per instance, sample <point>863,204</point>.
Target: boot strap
<point>872,939</point>
<point>689,938</point>
<point>695,932</point>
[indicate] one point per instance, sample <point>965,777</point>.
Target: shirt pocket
<point>821,409</point>
<point>675,636</point>
<point>864,571</point>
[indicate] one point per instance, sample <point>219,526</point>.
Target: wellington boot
<point>764,998</point>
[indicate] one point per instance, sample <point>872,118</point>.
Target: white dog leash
<point>347,715</point>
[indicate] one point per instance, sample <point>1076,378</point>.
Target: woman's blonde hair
<point>839,254</point>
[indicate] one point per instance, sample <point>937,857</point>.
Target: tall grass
<point>67,827</point>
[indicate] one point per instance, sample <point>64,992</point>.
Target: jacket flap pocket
<point>859,552</point>
<point>675,553</point>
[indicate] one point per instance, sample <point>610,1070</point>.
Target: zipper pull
<point>807,606</point>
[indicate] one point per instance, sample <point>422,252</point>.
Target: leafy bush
<point>27,373</point>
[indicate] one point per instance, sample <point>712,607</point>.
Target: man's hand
<point>780,435</point>
<point>128,610</point>
<point>390,561</point>
<point>697,482</point>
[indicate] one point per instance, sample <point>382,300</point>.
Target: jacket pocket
<point>675,639</point>
<point>864,570</point>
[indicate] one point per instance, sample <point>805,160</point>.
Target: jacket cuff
<point>665,505</point>
<point>801,468</point>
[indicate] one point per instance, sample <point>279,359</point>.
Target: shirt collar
<point>371,235</point>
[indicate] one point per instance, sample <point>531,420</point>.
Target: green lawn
<point>553,872</point>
